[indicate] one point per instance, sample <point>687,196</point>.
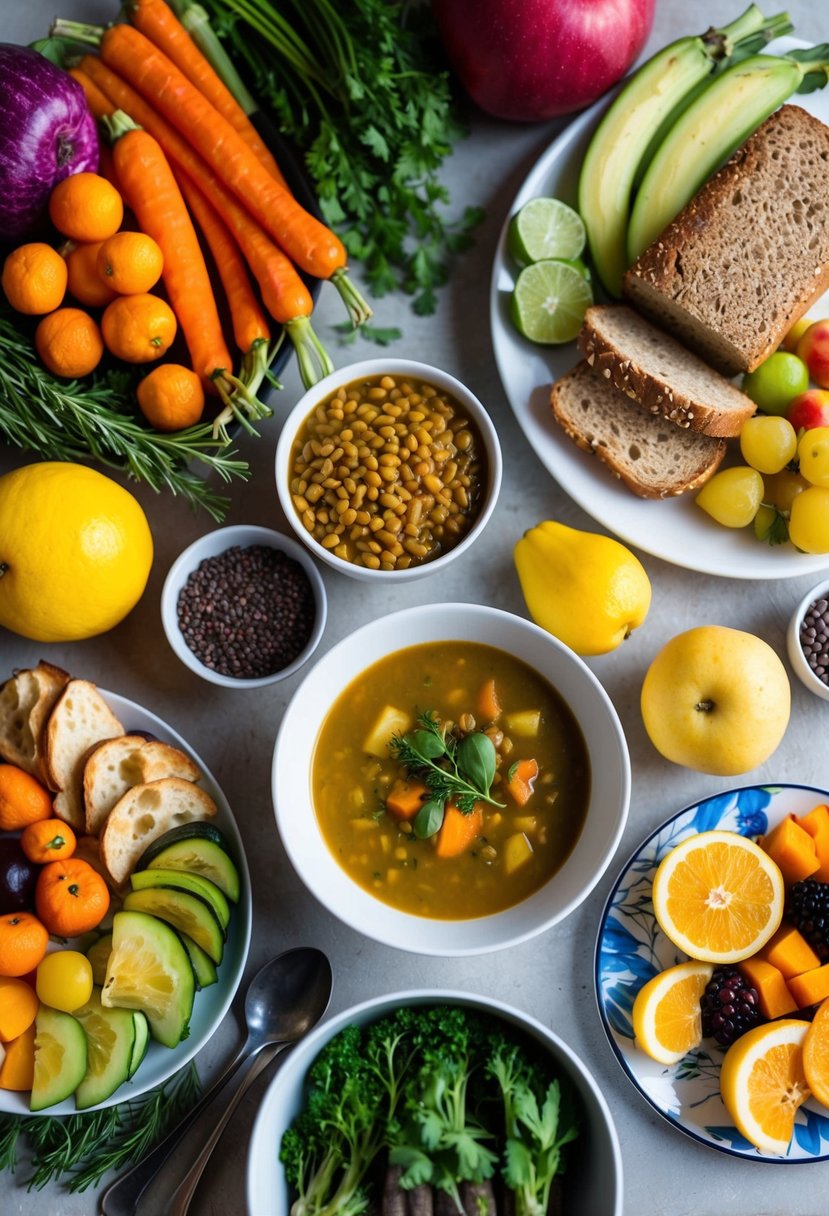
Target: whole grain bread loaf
<point>653,457</point>
<point>749,255</point>
<point>659,374</point>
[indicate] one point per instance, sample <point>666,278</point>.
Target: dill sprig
<point>87,1146</point>
<point>70,420</point>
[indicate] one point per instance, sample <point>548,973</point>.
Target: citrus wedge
<point>666,1013</point>
<point>762,1083</point>
<point>816,1054</point>
<point>718,897</point>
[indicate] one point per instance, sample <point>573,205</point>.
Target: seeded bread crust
<point>749,255</point>
<point>659,374</point>
<point>650,455</point>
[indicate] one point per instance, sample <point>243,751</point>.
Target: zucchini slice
<point>142,1040</point>
<point>198,848</point>
<point>110,1035</point>
<point>186,912</point>
<point>183,881</point>
<point>203,966</point>
<point>150,970</point>
<point>60,1057</point>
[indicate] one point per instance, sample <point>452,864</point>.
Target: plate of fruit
<point>637,467</point>
<point>126,908</point>
<point>712,972</point>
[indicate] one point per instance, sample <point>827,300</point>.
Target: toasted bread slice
<point>26,700</point>
<point>143,814</point>
<point>79,721</point>
<point>653,457</point>
<point>118,764</point>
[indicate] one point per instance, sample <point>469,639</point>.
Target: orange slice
<point>816,1054</point>
<point>718,897</point>
<point>666,1013</point>
<point>762,1083</point>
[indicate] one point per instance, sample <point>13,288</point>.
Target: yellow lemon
<point>75,552</point>
<point>762,1083</point>
<point>667,1020</point>
<point>587,590</point>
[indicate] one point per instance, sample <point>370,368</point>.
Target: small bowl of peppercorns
<point>244,606</point>
<point>808,640</point>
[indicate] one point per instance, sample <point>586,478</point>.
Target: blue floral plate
<point>631,948</point>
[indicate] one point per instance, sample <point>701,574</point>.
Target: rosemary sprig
<point>68,420</point>
<point>87,1146</point>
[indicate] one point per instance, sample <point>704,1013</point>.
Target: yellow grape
<point>813,454</point>
<point>809,520</point>
<point>732,496</point>
<point>768,442</point>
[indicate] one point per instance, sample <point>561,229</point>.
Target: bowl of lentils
<point>244,606</point>
<point>808,640</point>
<point>388,469</point>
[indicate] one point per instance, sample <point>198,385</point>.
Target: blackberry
<point>808,907</point>
<point>729,1006</point>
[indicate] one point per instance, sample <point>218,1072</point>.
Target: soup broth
<point>371,801</point>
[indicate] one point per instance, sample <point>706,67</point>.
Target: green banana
<point>720,119</point>
<point>623,137</point>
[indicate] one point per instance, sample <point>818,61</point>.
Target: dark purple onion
<point>46,133</point>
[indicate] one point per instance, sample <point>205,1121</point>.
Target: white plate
<point>211,1003</point>
<point>630,948</point>
<point>675,529</point>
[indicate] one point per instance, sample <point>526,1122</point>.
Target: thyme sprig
<point>87,1146</point>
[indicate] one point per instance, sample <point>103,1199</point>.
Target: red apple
<point>813,349</point>
<point>809,409</point>
<point>533,59</point>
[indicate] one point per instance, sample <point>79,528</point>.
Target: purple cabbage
<point>46,133</point>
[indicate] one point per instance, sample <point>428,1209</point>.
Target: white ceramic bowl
<point>212,545</point>
<point>592,1181</point>
<point>797,658</point>
<point>393,367</point>
<point>564,670</point>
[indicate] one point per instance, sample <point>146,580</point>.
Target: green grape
<point>809,520</point>
<point>813,454</point>
<point>773,384</point>
<point>733,496</point>
<point>768,442</point>
<point>770,525</point>
<point>782,488</point>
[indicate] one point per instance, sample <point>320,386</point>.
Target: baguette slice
<point>79,721</point>
<point>26,700</point>
<point>654,458</point>
<point>143,814</point>
<point>749,254</point>
<point>118,764</point>
<point>659,374</point>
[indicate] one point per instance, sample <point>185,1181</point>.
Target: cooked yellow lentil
<point>387,473</point>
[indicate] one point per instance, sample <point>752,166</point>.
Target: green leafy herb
<point>87,1146</point>
<point>776,532</point>
<point>378,334</point>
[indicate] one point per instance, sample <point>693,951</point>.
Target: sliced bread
<point>143,814</point>
<point>79,721</point>
<point>659,374</point>
<point>26,700</point>
<point>749,254</point>
<point>120,763</point>
<point>653,457</point>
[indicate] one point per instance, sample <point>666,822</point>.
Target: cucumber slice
<point>188,913</point>
<point>98,955</point>
<point>183,881</point>
<point>60,1057</point>
<point>150,970</point>
<point>142,1040</point>
<point>203,966</point>
<point>198,848</point>
<point>110,1035</point>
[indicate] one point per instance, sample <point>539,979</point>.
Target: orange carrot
<point>487,706</point>
<point>306,240</point>
<point>99,104</point>
<point>521,780</point>
<point>458,831</point>
<point>405,798</point>
<point>157,21</point>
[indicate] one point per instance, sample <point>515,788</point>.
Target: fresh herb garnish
<point>87,1146</point>
<point>462,771</point>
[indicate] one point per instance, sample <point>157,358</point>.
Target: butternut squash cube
<point>523,722</point>
<point>774,997</point>
<point>816,824</point>
<point>811,987</point>
<point>789,952</point>
<point>793,849</point>
<point>516,851</point>
<point>390,721</point>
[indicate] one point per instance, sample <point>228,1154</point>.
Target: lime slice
<point>545,228</point>
<point>549,302</point>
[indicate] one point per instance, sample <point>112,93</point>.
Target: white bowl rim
<point>322,875</point>
<point>308,1048</point>
<point>220,539</point>
<point>368,367</point>
<point>797,658</point>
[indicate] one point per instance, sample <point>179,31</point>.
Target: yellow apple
<point>716,700</point>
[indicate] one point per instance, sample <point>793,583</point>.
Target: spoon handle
<point>172,1187</point>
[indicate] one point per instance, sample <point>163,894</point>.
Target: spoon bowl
<point>288,996</point>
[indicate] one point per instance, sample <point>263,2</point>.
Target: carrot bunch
<point>199,167</point>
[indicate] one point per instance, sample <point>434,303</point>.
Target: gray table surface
<point>550,977</point>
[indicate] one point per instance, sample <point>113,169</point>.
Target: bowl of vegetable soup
<point>421,1041</point>
<point>450,780</point>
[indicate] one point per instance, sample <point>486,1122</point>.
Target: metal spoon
<point>285,999</point>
